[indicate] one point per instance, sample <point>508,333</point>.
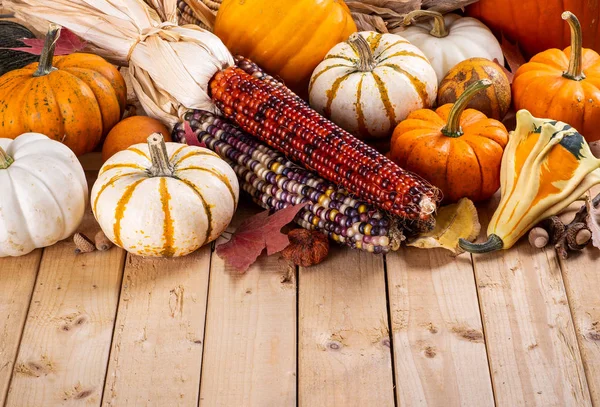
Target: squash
<point>10,34</point>
<point>75,99</point>
<point>133,130</point>
<point>287,38</point>
<point>457,150</point>
<point>535,25</point>
<point>43,193</point>
<point>547,165</point>
<point>450,39</point>
<point>563,85</point>
<point>494,101</point>
<point>371,82</point>
<point>164,199</point>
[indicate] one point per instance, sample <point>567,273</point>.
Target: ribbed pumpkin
<point>536,24</point>
<point>164,199</point>
<point>494,101</point>
<point>75,99</point>
<point>287,38</point>
<point>457,150</point>
<point>10,34</point>
<point>563,85</point>
<point>371,82</point>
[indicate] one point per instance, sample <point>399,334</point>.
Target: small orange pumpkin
<point>563,85</point>
<point>75,99</point>
<point>133,130</point>
<point>457,150</point>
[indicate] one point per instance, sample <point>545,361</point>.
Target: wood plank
<point>438,343</point>
<point>64,350</point>
<point>581,274</point>
<point>157,344</point>
<point>17,280</point>
<point>344,355</point>
<point>532,347</point>
<point>250,340</point>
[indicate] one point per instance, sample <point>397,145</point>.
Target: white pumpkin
<point>450,39</point>
<point>43,193</point>
<point>370,83</point>
<point>164,199</point>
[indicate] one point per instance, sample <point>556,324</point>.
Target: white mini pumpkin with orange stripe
<point>370,83</point>
<point>164,199</point>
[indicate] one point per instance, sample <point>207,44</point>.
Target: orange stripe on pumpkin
<point>327,68</point>
<point>207,210</point>
<point>113,166</point>
<point>194,154</point>
<point>120,209</point>
<point>360,115</point>
<point>177,152</point>
<point>419,86</point>
<point>168,228</point>
<point>385,99</point>
<point>109,183</point>
<point>217,174</point>
<point>138,152</point>
<point>403,54</point>
<point>331,93</point>
<point>392,45</point>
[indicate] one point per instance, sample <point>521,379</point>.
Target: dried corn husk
<point>169,65</point>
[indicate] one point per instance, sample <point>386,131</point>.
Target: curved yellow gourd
<point>546,166</point>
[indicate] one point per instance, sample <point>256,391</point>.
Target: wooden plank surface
<point>157,345</point>
<point>344,355</point>
<point>17,280</point>
<point>532,348</point>
<point>66,342</point>
<point>250,339</point>
<point>438,342</point>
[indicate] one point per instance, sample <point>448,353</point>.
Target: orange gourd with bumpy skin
<point>457,150</point>
<point>563,85</point>
<point>75,99</point>
<point>287,38</point>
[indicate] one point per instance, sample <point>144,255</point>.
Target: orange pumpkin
<point>457,150</point>
<point>287,38</point>
<point>75,99</point>
<point>133,130</point>
<point>563,85</point>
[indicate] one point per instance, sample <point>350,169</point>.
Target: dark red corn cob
<point>268,110</point>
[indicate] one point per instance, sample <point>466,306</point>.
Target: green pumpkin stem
<point>452,128</point>
<point>493,243</point>
<point>366,61</point>
<point>5,159</point>
<point>439,25</point>
<point>575,70</point>
<point>159,156</point>
<point>47,55</point>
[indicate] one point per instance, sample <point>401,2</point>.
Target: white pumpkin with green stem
<point>43,193</point>
<point>164,199</point>
<point>450,39</point>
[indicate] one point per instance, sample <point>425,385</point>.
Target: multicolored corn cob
<point>274,182</point>
<point>271,112</point>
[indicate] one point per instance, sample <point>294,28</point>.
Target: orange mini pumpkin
<point>75,99</point>
<point>563,85</point>
<point>457,150</point>
<point>133,130</point>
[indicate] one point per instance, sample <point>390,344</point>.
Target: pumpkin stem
<point>161,167</point>
<point>452,128</point>
<point>5,159</point>
<point>366,61</point>
<point>575,70</point>
<point>47,55</point>
<point>493,243</point>
<point>439,25</point>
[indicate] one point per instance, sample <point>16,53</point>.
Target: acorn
<point>83,244</point>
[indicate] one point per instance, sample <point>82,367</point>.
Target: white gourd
<point>371,82</point>
<point>450,39</point>
<point>164,199</point>
<point>43,193</point>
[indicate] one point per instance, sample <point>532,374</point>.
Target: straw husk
<point>169,65</point>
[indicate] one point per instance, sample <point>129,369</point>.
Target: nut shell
<point>306,248</point>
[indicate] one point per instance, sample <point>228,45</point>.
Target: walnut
<point>306,248</point>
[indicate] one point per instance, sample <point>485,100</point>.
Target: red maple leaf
<point>255,234</point>
<point>190,137</point>
<point>513,55</point>
<point>66,44</point>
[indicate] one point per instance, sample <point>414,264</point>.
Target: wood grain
<point>344,350</point>
<point>17,280</point>
<point>438,342</point>
<point>157,345</point>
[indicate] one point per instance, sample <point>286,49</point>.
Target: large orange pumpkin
<point>287,38</point>
<point>457,150</point>
<point>536,24</point>
<point>563,85</point>
<point>75,99</point>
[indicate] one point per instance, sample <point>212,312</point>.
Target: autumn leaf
<point>593,218</point>
<point>512,54</point>
<point>67,43</point>
<point>190,137</point>
<point>255,234</point>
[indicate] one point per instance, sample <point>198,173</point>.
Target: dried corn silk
<point>169,65</point>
